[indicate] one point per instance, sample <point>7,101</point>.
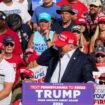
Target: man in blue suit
<point>66,63</point>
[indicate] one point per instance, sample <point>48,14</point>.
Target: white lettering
<point>76,93</point>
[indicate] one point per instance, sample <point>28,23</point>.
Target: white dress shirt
<point>64,62</point>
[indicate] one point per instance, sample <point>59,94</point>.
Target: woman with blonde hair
<point>99,33</point>
<point>43,38</point>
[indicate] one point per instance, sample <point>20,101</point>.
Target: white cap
<point>95,2</point>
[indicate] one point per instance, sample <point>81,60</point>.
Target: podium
<point>57,94</point>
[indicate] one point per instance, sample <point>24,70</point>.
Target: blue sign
<point>57,94</point>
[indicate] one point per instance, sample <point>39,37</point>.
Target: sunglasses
<point>93,6</point>
<point>101,82</point>
<point>102,56</point>
<point>23,76</point>
<point>11,44</point>
<point>1,51</point>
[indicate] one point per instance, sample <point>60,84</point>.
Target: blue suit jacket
<point>79,69</point>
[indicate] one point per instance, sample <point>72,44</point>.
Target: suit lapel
<point>71,64</point>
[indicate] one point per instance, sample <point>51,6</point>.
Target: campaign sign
<point>57,94</point>
<point>99,95</point>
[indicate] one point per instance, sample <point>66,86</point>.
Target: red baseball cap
<point>1,46</point>
<point>81,21</point>
<point>101,19</point>
<point>29,50</point>
<point>102,76</point>
<point>33,55</point>
<point>27,72</point>
<point>65,38</point>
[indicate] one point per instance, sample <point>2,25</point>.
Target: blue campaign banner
<point>36,3</point>
<point>57,94</point>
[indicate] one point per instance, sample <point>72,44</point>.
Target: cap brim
<point>101,21</point>
<point>94,4</point>
<point>82,23</point>
<point>59,12</point>
<point>9,42</point>
<point>43,20</point>
<point>100,52</point>
<point>59,43</point>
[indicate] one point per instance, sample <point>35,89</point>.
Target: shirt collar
<point>69,54</point>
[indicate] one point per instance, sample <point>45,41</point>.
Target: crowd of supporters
<point>29,31</point>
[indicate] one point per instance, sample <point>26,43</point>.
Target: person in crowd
<point>25,75</point>
<point>103,6</point>
<point>81,41</point>
<point>78,7</point>
<point>100,62</point>
<point>24,32</point>
<point>11,6</point>
<point>48,6</point>
<point>84,28</point>
<point>100,54</point>
<point>102,79</point>
<point>93,14</point>
<point>101,23</point>
<point>98,42</point>
<point>24,3</point>
<point>15,60</point>
<point>99,33</point>
<point>66,22</point>
<point>77,31</point>
<point>7,78</point>
<point>5,30</point>
<point>64,61</point>
<point>42,39</point>
<point>30,57</point>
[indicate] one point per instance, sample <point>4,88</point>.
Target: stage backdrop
<point>57,94</point>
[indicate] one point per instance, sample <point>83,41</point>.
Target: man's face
<point>67,48</point>
<point>44,25</point>
<point>9,47</point>
<point>66,17</point>
<point>102,26</point>
<point>100,58</point>
<point>94,9</point>
<point>47,1</point>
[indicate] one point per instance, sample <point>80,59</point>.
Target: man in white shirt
<point>7,78</point>
<point>11,7</point>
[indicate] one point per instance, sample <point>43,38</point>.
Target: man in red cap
<point>65,61</point>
